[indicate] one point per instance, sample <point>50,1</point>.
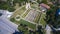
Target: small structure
<point>28,6</point>
<point>17,18</point>
<point>48,29</point>
<point>12,2</point>
<point>44,7</point>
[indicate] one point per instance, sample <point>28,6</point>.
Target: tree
<point>39,1</point>
<point>44,1</point>
<point>21,1</point>
<point>50,16</point>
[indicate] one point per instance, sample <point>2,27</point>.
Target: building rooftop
<point>45,5</point>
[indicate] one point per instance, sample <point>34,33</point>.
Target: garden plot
<point>41,20</point>
<point>32,16</point>
<point>24,15</point>
<point>19,12</point>
<point>30,25</point>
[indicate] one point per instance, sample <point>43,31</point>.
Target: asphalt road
<point>6,26</point>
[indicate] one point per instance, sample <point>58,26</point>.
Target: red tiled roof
<point>44,5</point>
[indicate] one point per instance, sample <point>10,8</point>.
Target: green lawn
<point>24,15</point>
<point>35,6</point>
<point>42,21</point>
<point>33,26</point>
<point>14,21</point>
<point>37,18</point>
<point>19,12</point>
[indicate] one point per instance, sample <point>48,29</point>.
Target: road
<point>6,26</point>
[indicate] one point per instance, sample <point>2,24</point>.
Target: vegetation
<point>6,6</point>
<point>24,15</point>
<point>11,9</point>
<point>30,25</point>
<point>50,16</point>
<point>21,2</point>
<point>37,18</point>
<point>42,19</point>
<point>44,1</point>
<point>39,1</point>
<point>23,28</point>
<point>13,20</point>
<point>19,12</point>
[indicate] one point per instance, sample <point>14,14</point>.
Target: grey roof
<point>6,26</point>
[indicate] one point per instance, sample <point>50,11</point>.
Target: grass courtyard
<point>19,12</point>
<point>42,21</point>
<point>33,26</point>
<point>37,18</point>
<point>24,15</point>
<point>24,22</point>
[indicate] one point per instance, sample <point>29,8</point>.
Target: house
<point>44,7</point>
